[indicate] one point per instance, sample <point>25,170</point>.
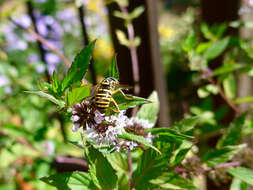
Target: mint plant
<point>130,152</point>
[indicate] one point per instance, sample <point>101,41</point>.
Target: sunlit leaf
<point>113,69</point>
<point>150,111</point>
<point>79,67</point>
<point>238,184</point>
<point>169,135</point>
<point>186,124</point>
<point>101,171</point>
<point>244,174</point>
<point>67,181</point>
<point>246,99</point>
<point>229,84</point>
<point>56,85</point>
<point>139,139</point>
<point>234,132</point>
<point>170,180</point>
<point>180,153</point>
<point>150,165</point>
<point>226,69</point>
<point>42,94</point>
<point>78,94</point>
<point>216,49</point>
<point>221,155</point>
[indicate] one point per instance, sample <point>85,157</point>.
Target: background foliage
<point>211,130</point>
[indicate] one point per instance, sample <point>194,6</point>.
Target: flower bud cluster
<point>104,130</point>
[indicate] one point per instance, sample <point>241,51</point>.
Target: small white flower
<point>131,144</point>
<point>74,118</point>
<point>98,117</point>
<point>75,127</point>
<point>144,123</point>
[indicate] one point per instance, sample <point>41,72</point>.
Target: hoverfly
<point>104,92</point>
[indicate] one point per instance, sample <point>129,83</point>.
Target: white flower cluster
<point>104,130</point>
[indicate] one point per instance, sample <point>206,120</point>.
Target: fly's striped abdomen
<point>103,96</point>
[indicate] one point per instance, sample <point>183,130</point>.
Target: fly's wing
<point>124,86</point>
<point>94,90</point>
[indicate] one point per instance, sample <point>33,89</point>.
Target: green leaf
<point>139,139</point>
<point>226,69</point>
<point>221,155</point>
<point>216,49</point>
<point>238,184</point>
<point>16,131</point>
<point>203,47</point>
<point>79,67</point>
<point>207,32</point>
<point>118,162</point>
<point>190,42</point>
<point>169,134</point>
<point>69,181</point>
<point>56,84</point>
<point>180,153</point>
<point>42,94</point>
<point>233,133</point>
<point>204,91</point>
<point>243,174</point>
<point>186,125</point>
<point>101,171</point>
<point>121,36</point>
<point>113,69</point>
<point>136,12</point>
<point>150,111</point>
<point>150,165</point>
<point>246,99</point>
<point>124,103</point>
<point>78,94</point>
<point>170,180</point>
<point>229,84</point>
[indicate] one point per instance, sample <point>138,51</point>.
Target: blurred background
<point>180,43</point>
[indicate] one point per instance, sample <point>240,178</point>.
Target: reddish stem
<point>133,52</point>
<point>130,166</point>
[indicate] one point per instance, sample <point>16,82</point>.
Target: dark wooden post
<point>150,66</point>
<point>215,12</point>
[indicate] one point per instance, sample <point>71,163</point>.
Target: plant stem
<point>228,101</point>
<point>207,74</point>
<point>133,52</point>
<point>223,165</point>
<point>130,166</point>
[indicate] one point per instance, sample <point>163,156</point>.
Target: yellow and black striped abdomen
<point>103,97</point>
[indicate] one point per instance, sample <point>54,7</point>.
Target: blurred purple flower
<point>52,62</point>
<point>55,43</point>
<point>33,58</point>
<point>52,58</point>
<point>40,1</point>
<point>3,80</point>
<point>68,18</point>
<point>13,41</point>
<point>8,90</point>
<point>48,26</point>
<point>28,37</point>
<point>66,15</point>
<point>48,147</point>
<point>24,20</point>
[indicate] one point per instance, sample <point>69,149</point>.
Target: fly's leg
<point>116,105</point>
<point>119,90</point>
